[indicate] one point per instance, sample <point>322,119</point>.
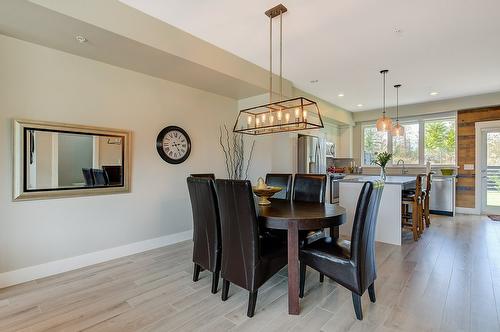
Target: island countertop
<point>391,179</point>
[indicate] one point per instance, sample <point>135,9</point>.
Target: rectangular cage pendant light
<point>293,114</point>
<point>287,115</point>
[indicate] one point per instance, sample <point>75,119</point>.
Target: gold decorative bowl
<point>265,193</point>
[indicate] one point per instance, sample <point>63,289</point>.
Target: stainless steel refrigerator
<point>311,155</point>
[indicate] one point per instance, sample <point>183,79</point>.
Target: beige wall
<point>109,154</point>
<point>43,160</point>
<point>45,84</point>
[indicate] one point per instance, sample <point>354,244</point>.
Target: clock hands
<point>176,146</point>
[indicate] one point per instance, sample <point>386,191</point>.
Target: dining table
<point>294,216</point>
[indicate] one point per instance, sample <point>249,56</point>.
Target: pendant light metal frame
<point>274,117</point>
<point>384,123</point>
<point>397,130</point>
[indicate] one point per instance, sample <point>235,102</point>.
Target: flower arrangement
<point>381,159</point>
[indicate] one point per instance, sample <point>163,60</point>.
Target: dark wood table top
<point>308,216</point>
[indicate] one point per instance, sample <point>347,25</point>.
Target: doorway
<point>488,166</point>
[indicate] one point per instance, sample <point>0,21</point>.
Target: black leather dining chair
<point>204,175</point>
<point>207,242</point>
<point>249,256</point>
<point>88,177</point>
<point>114,173</point>
<point>100,177</point>
<point>310,188</point>
<point>349,263</point>
<point>280,180</point>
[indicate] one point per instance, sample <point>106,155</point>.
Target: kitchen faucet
<point>403,171</point>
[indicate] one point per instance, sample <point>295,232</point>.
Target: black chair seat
<point>327,246</point>
<point>272,246</point>
<point>307,237</point>
<point>331,258</point>
<point>411,192</point>
<point>409,198</point>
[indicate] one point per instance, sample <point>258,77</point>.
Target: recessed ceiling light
<point>434,93</point>
<point>340,95</point>
<point>314,81</point>
<point>359,105</point>
<point>81,39</point>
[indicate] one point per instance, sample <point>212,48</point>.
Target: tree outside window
<point>373,141</point>
<point>439,142</point>
<point>406,147</point>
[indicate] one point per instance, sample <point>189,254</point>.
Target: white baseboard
<point>72,263</point>
<point>463,210</point>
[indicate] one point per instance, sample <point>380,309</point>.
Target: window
<point>373,141</point>
<point>425,139</point>
<point>440,141</point>
<point>406,147</point>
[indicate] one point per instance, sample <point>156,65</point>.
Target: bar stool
<point>426,193</point>
<point>413,199</point>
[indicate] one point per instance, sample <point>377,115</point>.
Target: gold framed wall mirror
<point>53,160</point>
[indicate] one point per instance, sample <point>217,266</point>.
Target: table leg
<point>293,269</point>
<point>334,232</point>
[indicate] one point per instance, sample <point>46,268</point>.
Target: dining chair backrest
<point>88,177</point>
<point>204,175</point>
<point>418,185</point>
<point>240,235</point>
<point>363,232</point>
<point>428,184</point>
<point>100,177</point>
<point>114,173</point>
<point>309,188</point>
<point>206,223</point>
<point>280,180</point>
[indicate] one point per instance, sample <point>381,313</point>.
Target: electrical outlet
<point>468,167</point>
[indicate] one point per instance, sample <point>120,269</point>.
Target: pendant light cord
<point>281,55</point>
<point>270,59</point>
<point>397,105</point>
<point>384,95</point>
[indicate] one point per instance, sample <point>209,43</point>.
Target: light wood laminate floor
<point>449,280</point>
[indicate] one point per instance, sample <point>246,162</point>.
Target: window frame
<point>421,138</point>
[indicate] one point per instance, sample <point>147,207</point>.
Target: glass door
<point>490,170</point>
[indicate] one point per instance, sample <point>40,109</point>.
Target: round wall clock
<point>173,145</point>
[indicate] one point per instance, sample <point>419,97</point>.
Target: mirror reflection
<point>56,160</point>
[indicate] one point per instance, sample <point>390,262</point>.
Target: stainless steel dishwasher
<point>442,195</point>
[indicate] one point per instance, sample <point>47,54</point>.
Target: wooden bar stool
<point>427,196</point>
<point>413,220</point>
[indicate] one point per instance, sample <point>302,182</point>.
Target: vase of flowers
<point>381,159</point>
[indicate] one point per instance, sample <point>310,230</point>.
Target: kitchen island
<point>389,216</point>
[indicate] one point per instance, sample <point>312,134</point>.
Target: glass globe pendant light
<point>384,123</point>
<point>397,130</point>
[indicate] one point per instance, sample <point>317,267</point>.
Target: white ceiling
<point>449,46</point>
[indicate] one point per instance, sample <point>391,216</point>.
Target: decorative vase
<point>383,174</point>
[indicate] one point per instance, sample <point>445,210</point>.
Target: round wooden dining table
<point>294,216</point>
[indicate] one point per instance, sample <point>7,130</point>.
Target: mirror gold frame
<point>19,154</point>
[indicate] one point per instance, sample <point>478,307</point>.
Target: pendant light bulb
<point>384,123</point>
<point>398,129</point>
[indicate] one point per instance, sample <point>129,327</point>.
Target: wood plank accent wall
<point>466,138</point>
